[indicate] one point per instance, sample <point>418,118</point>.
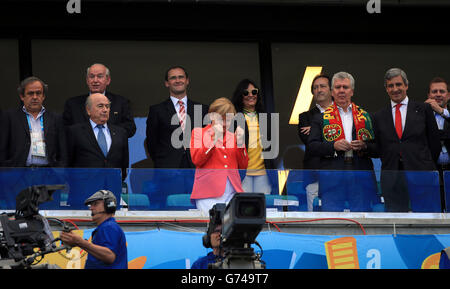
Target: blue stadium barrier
<point>170,189</point>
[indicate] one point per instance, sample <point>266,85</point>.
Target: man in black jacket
<point>438,99</point>
<point>169,123</point>
<point>96,143</point>
<point>32,136</point>
<point>321,90</point>
<point>98,78</point>
<point>339,137</point>
<point>407,139</point>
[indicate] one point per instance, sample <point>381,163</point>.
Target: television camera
<point>242,220</point>
<point>25,230</point>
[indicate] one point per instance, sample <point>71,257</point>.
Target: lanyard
<point>41,121</point>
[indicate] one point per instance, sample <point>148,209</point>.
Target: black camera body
<point>26,229</point>
<point>19,237</point>
<point>242,220</point>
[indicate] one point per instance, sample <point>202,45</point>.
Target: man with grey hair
<point>407,139</point>
<point>339,137</point>
<point>98,78</point>
<point>31,135</point>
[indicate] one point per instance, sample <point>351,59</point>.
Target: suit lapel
<point>171,110</point>
<point>89,133</point>
<point>24,121</point>
<point>387,115</point>
<point>114,136</point>
<point>410,114</point>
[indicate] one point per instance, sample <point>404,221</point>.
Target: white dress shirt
<point>347,121</point>
<point>176,105</point>
<point>403,110</point>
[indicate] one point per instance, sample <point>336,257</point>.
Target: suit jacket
<point>159,133</point>
<point>215,163</point>
<point>120,114</point>
<point>419,147</point>
<point>15,139</point>
<point>305,119</point>
<point>329,158</point>
<point>84,151</point>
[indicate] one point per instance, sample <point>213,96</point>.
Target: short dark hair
<point>437,80</point>
<point>28,80</point>
<point>166,76</point>
<point>320,76</point>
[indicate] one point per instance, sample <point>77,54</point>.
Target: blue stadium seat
<point>179,202</point>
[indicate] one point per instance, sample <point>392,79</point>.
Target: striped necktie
<point>182,114</point>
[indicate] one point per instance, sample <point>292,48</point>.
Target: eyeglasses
<point>253,92</point>
<point>441,91</point>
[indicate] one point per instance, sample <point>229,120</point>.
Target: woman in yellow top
<point>248,102</point>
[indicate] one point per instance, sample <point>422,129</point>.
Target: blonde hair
<point>222,106</point>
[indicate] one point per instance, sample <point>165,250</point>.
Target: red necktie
<point>398,120</point>
<point>182,114</point>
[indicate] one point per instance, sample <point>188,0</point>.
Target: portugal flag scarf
<point>332,124</point>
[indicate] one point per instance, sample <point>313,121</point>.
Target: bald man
<point>97,143</point>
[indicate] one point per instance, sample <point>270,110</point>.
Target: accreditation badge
<point>37,144</point>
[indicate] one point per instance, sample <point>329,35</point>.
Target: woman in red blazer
<point>217,155</point>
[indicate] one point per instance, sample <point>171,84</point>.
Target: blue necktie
<point>101,139</point>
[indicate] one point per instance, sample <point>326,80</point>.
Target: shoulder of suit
<point>190,101</point>
<point>162,103</point>
<point>79,98</point>
<point>116,128</point>
<point>110,95</point>
<point>80,125</point>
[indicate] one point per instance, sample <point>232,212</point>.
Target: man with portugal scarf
<point>340,137</point>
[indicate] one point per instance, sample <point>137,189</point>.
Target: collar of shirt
<point>94,125</point>
<point>104,92</point>
<point>175,102</point>
<point>322,109</point>
<point>349,109</point>
<point>39,115</point>
<point>404,102</point>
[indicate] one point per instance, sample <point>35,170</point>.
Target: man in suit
<point>321,90</point>
<point>96,143</point>
<point>98,78</point>
<point>338,137</point>
<point>32,136</point>
<point>438,98</point>
<point>169,123</point>
<point>407,139</point>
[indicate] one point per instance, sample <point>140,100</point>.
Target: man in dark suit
<point>98,78</point>
<point>96,143</point>
<point>338,137</point>
<point>321,90</point>
<point>438,99</point>
<point>32,136</point>
<point>407,139</point>
<point>169,123</point>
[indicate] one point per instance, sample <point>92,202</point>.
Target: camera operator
<point>211,240</point>
<point>108,248</point>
